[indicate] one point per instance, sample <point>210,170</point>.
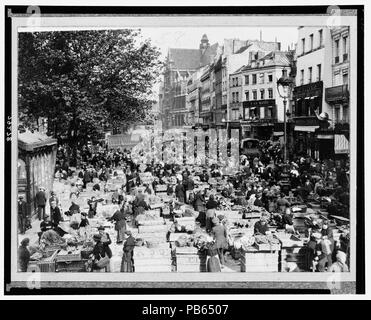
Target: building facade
<point>337,95</point>
<point>314,74</point>
<point>180,64</point>
<point>262,106</point>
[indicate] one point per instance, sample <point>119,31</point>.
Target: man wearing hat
<point>22,214</point>
<point>127,262</point>
<point>40,202</point>
<point>261,226</point>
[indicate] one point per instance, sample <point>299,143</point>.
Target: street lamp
<point>284,86</point>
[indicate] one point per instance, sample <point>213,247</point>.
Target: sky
<point>189,37</point>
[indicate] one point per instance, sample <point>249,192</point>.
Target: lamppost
<point>284,87</point>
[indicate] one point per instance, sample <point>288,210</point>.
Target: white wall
<point>321,56</point>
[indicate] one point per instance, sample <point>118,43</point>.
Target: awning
<point>341,144</point>
<point>313,97</point>
<point>325,136</point>
<point>306,128</point>
<point>278,133</point>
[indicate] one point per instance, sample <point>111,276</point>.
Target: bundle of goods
<point>107,210</point>
<point>51,238</point>
<point>189,259</point>
<point>254,260</point>
<point>149,219</point>
<point>189,223</point>
<point>152,259</point>
<point>184,240</point>
<point>267,243</point>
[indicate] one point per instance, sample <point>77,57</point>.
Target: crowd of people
<point>263,181</point>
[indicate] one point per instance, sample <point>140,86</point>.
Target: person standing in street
<point>127,262</point>
<point>120,224</point>
<point>41,202</point>
<point>220,234</point>
<point>23,255</point>
<point>55,214</point>
<point>22,215</point>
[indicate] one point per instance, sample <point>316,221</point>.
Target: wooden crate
<point>152,229</point>
<point>70,266</point>
<point>63,255</point>
<point>267,246</point>
<point>153,269</point>
<point>260,262</point>
<point>152,261</point>
<point>187,259</point>
<point>191,268</point>
<point>298,254</point>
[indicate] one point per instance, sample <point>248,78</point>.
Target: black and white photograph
<point>175,148</point>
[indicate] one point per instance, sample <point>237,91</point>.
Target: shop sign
<point>259,103</point>
<point>309,90</point>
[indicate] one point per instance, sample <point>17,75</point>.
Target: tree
<point>84,81</point>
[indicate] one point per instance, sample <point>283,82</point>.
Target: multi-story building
<point>337,95</point>
<point>255,95</point>
<point>205,116</point>
<point>314,74</point>
<point>234,54</point>
<point>180,64</point>
<point>193,102</point>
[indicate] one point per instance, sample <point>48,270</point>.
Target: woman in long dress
<point>213,263</point>
<point>127,262</point>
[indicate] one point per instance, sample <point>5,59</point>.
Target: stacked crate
<point>188,259</point>
<point>152,259</point>
<point>254,260</point>
<point>293,248</point>
<point>153,233</point>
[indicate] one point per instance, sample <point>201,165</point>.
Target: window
<point>310,74</point>
<point>262,111</point>
<point>319,72</point>
<point>284,73</point>
<point>303,45</point>
<point>337,114</point>
<point>345,78</point>
<point>320,37</point>
<point>246,95</point>
<point>247,79</point>
<point>336,51</point>
<point>252,112</point>
<point>237,97</point>
<point>345,51</point>
<point>261,78</point>
<point>345,113</point>
<point>233,97</point>
<point>311,42</point>
<point>301,77</point>
<point>270,112</point>
<point>345,44</point>
<point>270,93</point>
<point>254,95</point>
<point>254,79</point>
<point>270,77</point>
<point>262,94</point>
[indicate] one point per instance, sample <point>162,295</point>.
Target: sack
<point>103,262</point>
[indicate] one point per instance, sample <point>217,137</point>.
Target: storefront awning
<point>306,128</point>
<point>325,136</point>
<point>341,144</point>
<point>278,133</point>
